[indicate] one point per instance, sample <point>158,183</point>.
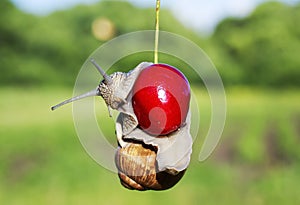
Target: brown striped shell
<point>137,168</point>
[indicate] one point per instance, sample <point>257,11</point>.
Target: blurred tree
<point>262,49</point>
<point>50,50</point>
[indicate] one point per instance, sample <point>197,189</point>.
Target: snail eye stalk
<point>79,97</point>
<point>91,93</point>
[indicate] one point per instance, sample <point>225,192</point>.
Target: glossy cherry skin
<point>161,98</point>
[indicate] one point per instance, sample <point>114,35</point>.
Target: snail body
<point>155,155</point>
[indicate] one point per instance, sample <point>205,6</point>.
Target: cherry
<point>161,98</point>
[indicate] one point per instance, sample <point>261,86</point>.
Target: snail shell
<point>137,167</point>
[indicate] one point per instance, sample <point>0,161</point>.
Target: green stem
<point>156,31</point>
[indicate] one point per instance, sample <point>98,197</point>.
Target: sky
<point>200,15</point>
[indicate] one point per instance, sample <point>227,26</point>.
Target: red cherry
<point>161,98</point>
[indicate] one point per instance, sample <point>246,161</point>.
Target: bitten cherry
<point>161,98</point>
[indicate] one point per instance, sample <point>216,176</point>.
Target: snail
<point>153,126</point>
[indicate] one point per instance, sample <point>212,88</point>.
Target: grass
<point>256,161</point>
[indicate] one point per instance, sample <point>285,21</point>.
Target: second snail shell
<point>137,166</point>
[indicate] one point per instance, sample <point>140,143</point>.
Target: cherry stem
<point>156,31</point>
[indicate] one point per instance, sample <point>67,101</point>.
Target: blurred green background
<point>256,161</point>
